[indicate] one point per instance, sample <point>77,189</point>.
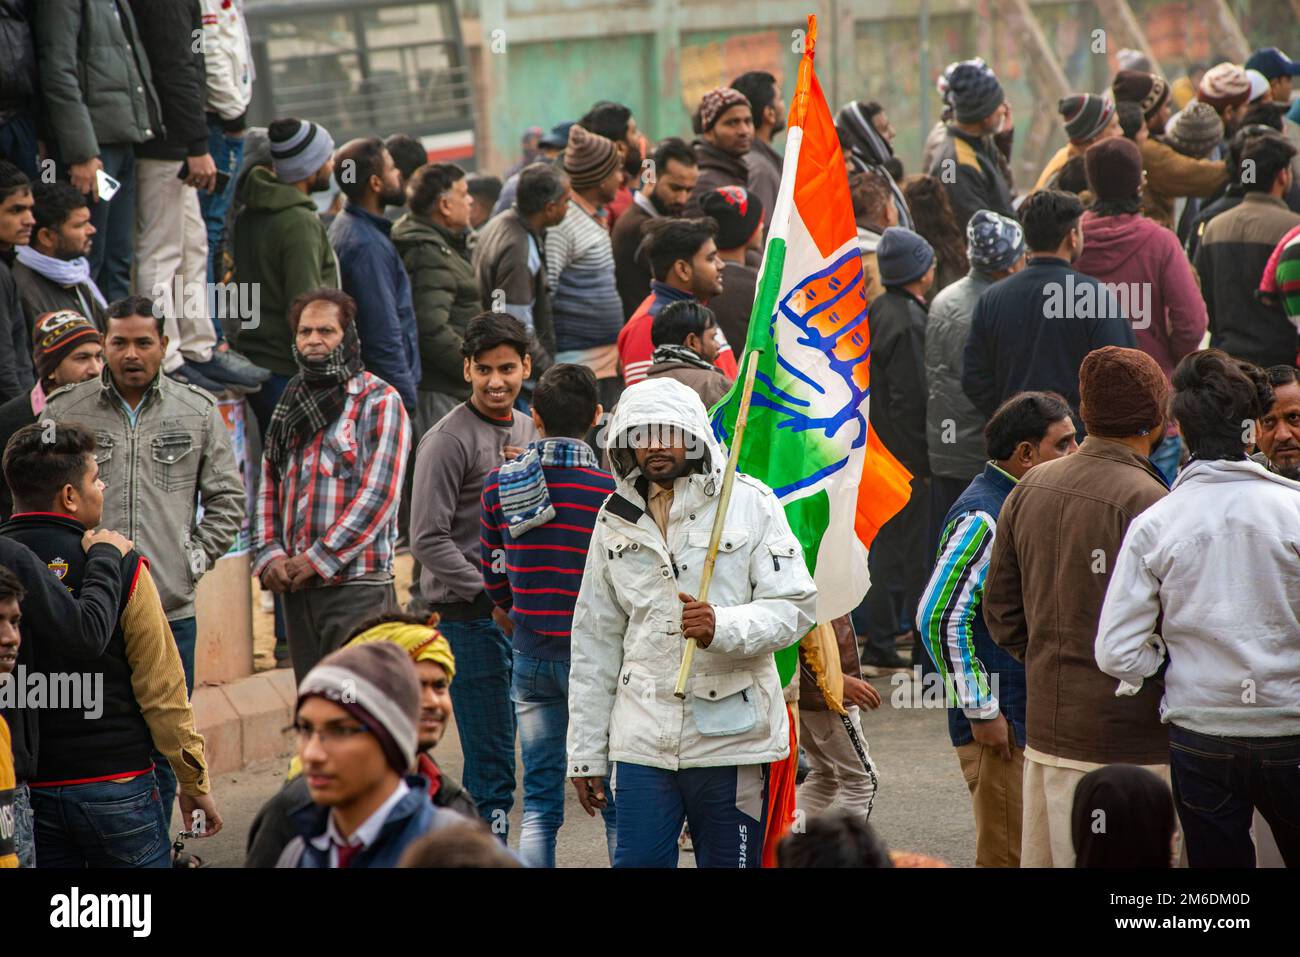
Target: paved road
<point>922,805</point>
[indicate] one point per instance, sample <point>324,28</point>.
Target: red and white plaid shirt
<point>337,501</point>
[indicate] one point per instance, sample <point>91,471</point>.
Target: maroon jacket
<point>1134,249</point>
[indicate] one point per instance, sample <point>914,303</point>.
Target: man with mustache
<point>336,450</point>
<point>663,191</point>
<point>16,224</point>
<point>161,445</point>
<point>1279,429</point>
<point>370,268</point>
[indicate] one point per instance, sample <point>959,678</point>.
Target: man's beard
<point>666,209</point>
<point>1291,472</point>
<point>394,197</point>
<point>632,163</point>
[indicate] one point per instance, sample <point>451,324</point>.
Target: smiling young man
<point>336,450</point>
<point>94,793</point>
<point>435,667</point>
<point>452,463</point>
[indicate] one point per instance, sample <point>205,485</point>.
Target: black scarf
<point>669,352</point>
<point>313,399</point>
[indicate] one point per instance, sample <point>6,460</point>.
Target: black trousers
<point>898,566</point>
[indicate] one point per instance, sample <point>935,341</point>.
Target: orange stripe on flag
<point>883,491</point>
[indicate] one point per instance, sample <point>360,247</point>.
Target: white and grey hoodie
<point>1219,558</point>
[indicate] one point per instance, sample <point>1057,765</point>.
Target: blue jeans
<point>485,718</point>
<point>1220,782</point>
<point>1166,457</point>
<point>102,825</point>
<point>24,827</point>
<point>540,691</point>
<point>114,222</point>
<point>186,633</point>
<point>726,808</point>
<point>227,153</point>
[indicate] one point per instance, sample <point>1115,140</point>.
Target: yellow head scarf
<point>421,642</point>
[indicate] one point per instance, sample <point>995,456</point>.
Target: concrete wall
<point>554,58</point>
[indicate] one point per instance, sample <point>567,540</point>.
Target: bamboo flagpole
<point>720,517</point>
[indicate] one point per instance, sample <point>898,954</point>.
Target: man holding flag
<point>808,436</point>
<point>703,758</point>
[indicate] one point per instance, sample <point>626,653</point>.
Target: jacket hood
<point>1110,241</point>
<point>1206,471</point>
<point>410,229</point>
<point>262,190</point>
<point>662,402</point>
<point>868,240</point>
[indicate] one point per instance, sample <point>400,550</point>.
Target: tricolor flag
<point>807,435</point>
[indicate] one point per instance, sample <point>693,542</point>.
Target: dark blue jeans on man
<point>227,153</point>
<point>114,222</point>
<point>726,808</point>
<point>540,691</point>
<point>105,824</point>
<point>186,633</point>
<point>1218,784</point>
<point>485,716</point>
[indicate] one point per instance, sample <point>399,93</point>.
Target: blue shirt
<point>371,272</point>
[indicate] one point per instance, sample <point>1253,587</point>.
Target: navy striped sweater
<point>536,577</point>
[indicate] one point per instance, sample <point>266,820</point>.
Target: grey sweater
<point>451,464</point>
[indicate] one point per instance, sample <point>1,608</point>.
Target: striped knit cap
<point>589,158</point>
<point>377,684</point>
<point>303,153</point>
<point>1085,115</point>
<point>1147,90</point>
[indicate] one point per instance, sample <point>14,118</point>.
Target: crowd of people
<point>509,379</point>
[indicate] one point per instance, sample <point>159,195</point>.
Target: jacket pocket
<point>732,554</point>
<point>104,444</point>
<point>175,460</point>
<point>338,453</point>
<point>725,704</point>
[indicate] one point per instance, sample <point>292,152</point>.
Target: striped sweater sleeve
<point>158,680</point>
<point>951,601</point>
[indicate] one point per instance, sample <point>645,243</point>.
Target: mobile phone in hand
<point>108,186</point>
<point>222,178</point>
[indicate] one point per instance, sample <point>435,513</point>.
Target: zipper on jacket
<point>673,559</point>
<point>776,562</point>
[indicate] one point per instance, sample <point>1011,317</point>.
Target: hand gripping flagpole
<point>720,517</point>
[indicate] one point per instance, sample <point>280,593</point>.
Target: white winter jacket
<point>227,58</point>
<point>1219,557</point>
<point>627,643</point>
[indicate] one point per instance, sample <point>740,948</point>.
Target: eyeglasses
<point>330,734</point>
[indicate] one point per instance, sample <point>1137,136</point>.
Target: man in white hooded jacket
<point>703,759</point>
<point>1208,579</point>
